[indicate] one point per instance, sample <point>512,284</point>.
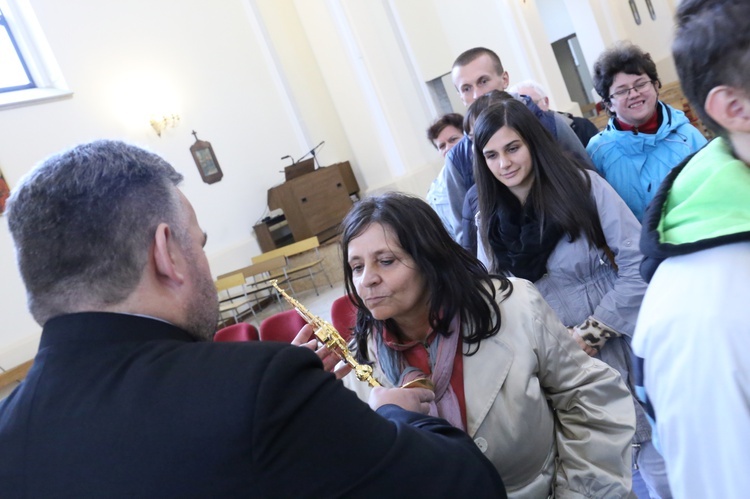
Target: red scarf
<point>651,126</point>
<point>416,362</point>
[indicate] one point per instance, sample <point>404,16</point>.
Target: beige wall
<point>261,79</point>
<point>206,57</point>
<point>600,23</point>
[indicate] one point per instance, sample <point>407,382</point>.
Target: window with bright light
<point>14,74</point>
<point>29,73</point>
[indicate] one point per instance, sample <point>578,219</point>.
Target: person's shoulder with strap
<point>547,118</point>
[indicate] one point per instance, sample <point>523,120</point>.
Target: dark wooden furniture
<point>315,203</point>
<point>273,233</point>
<point>298,169</point>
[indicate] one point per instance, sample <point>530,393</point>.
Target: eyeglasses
<point>638,87</point>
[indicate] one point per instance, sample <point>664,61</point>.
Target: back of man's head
<point>470,55</point>
<point>711,48</point>
<point>83,222</point>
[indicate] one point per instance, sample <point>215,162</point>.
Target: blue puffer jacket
<point>636,163</point>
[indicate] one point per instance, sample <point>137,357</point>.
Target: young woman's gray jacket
<point>582,282</point>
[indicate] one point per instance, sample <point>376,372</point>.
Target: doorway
<point>574,70</point>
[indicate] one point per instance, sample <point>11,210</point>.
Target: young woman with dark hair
<point>503,367</point>
<point>544,218</point>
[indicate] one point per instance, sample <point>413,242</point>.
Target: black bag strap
<point>638,373</point>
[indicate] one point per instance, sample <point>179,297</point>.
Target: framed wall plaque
<point>4,192</point>
<point>205,160</point>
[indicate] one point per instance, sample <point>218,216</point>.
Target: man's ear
<point>506,80</point>
<point>729,107</point>
<point>167,255</point>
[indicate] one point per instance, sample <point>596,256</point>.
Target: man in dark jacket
<point>127,398</point>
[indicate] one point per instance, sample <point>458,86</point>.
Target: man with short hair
<point>444,133</point>
<point>583,128</point>
<point>127,398</point>
<point>476,72</point>
<point>693,329</point>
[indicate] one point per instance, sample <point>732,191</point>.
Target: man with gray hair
<point>83,223</point>
<point>126,398</point>
<point>583,128</point>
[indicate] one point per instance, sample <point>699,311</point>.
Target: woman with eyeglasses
<point>645,138</point>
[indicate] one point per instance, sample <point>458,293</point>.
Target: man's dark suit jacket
<point>126,406</point>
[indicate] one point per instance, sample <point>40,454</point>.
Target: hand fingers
<point>328,358</point>
<point>303,336</point>
<point>342,369</point>
<point>592,351</point>
<point>323,352</point>
<point>312,345</point>
<point>423,394</point>
<point>584,346</point>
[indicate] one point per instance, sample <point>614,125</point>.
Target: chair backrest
<point>283,326</point>
<point>289,249</point>
<point>343,316</point>
<point>241,331</point>
<point>231,281</point>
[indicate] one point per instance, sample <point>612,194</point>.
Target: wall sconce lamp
<point>166,121</point>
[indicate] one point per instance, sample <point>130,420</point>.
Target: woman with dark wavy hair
<point>546,219</point>
<point>502,365</point>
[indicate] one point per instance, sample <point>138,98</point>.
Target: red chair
<point>344,316</point>
<point>242,331</point>
<point>283,326</point>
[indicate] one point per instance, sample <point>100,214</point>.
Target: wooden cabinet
<point>273,233</point>
<point>315,203</point>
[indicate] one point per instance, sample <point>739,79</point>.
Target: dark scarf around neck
<point>519,244</point>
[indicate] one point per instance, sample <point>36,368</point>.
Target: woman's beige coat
<point>538,406</point>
